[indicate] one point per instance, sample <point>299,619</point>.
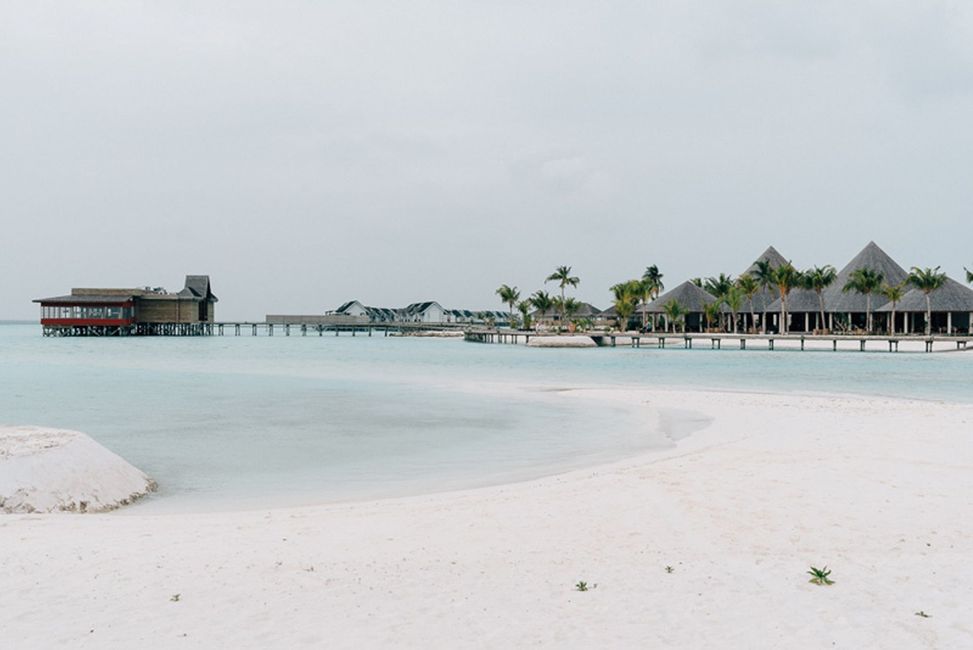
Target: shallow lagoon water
<point>254,421</point>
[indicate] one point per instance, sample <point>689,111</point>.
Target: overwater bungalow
<point>691,300</point>
<point>114,311</point>
<point>952,310</point>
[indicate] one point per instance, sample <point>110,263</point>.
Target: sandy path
<point>879,490</point>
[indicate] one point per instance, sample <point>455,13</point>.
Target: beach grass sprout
<point>669,569</point>
<point>820,576</point>
<point>922,614</point>
<point>581,586</point>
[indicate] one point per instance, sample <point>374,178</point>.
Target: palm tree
<point>764,274</point>
<point>927,280</point>
<point>719,287</point>
<point>785,277</point>
<point>645,289</point>
<point>817,280</point>
<point>509,296</point>
<point>969,275</point>
<point>711,312</point>
<point>866,282</point>
<point>524,308</point>
<point>894,292</point>
<point>627,295</point>
<point>674,312</point>
<point>734,300</point>
<point>542,301</point>
<point>562,275</point>
<point>749,286</point>
<point>653,280</point>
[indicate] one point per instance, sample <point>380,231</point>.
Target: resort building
<point>692,301</point>
<point>952,310</point>
<point>107,312</point>
<point>585,311</point>
<point>419,312</point>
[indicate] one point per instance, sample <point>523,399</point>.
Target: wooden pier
<point>250,328</point>
<point>802,342</point>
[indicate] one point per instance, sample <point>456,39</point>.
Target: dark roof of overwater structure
<point>198,286</point>
<point>952,296</point>
<point>87,299</point>
<point>690,297</point>
<point>871,257</point>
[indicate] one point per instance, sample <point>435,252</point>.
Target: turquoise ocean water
<point>253,421</point>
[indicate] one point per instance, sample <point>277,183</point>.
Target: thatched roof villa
<point>691,299</point>
<point>952,309</point>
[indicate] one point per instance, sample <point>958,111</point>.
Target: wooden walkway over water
<point>802,342</point>
<point>252,328</point>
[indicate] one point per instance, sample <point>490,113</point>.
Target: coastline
<point>739,509</point>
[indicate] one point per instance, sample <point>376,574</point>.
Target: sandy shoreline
<point>878,489</point>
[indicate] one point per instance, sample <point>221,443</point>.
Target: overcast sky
<point>307,153</point>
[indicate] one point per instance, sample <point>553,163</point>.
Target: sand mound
<point>52,470</point>
<point>561,342</point>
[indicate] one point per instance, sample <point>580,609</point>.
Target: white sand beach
<point>879,490</point>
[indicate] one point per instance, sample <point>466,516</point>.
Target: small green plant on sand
<point>820,576</point>
<point>922,614</point>
<point>669,569</point>
<point>581,586</point>
<point>175,598</point>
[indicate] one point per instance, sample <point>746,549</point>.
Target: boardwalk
<point>802,342</point>
<point>251,328</point>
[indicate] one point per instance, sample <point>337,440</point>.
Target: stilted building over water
<point>121,312</point>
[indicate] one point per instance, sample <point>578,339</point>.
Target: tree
<point>674,313</point>
<point>894,292</point>
<point>524,308</point>
<point>627,295</point>
<point>866,282</point>
<point>569,306</point>
<point>509,296</point>
<point>785,277</point>
<point>734,300</point>
<point>543,302</point>
<point>711,312</point>
<point>764,274</point>
<point>562,275</point>
<point>749,286</point>
<point>719,287</point>
<point>654,279</point>
<point>969,275</point>
<point>927,280</point>
<point>818,279</point>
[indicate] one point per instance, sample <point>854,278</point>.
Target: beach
<point>876,489</point>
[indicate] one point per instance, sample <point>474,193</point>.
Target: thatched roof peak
<point>871,257</point>
<point>952,296</point>
<point>772,256</point>
<point>690,297</point>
